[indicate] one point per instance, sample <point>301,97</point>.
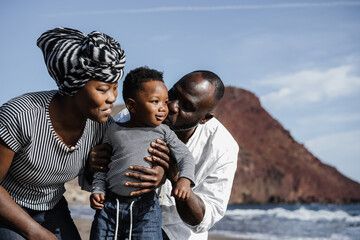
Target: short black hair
<point>215,80</point>
<point>136,77</point>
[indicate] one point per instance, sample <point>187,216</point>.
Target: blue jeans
<point>146,218</point>
<point>57,220</point>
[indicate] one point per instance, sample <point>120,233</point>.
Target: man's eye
<point>155,101</point>
<point>187,107</point>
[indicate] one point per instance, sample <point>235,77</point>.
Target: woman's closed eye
<point>104,90</point>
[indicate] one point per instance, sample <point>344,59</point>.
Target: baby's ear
<point>130,105</point>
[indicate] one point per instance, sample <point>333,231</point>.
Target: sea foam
<point>302,214</point>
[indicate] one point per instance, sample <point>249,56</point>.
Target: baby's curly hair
<point>134,79</point>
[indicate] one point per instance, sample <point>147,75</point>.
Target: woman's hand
<point>99,159</point>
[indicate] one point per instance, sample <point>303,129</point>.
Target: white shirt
<point>215,152</point>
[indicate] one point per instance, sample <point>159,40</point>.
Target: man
<point>192,101</point>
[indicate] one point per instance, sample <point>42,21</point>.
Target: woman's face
<point>95,100</point>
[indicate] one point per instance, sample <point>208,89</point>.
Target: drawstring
<point>131,219</point>
<point>117,219</point>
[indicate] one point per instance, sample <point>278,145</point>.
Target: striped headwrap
<point>72,58</point>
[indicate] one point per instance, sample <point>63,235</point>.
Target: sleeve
<point>99,183</point>
<point>11,129</point>
<point>216,188</point>
<point>83,183</point>
<point>182,155</point>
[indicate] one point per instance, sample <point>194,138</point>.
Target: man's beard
<point>182,128</point>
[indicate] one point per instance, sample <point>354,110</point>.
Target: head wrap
<point>72,58</point>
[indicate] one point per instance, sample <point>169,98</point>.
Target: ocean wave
<point>302,214</point>
<point>267,236</point>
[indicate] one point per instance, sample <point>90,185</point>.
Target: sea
<point>279,221</point>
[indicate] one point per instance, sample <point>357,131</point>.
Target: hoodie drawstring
<point>117,219</point>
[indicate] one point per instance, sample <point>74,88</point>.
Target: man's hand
<point>160,153</point>
<point>161,156</point>
<point>151,179</point>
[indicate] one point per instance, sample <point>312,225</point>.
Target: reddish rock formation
<point>272,166</point>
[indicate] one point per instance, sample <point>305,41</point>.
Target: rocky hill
<point>272,166</point>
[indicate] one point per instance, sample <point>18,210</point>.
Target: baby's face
<point>151,103</point>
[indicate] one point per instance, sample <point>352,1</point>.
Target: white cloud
<point>329,118</point>
<point>214,8</point>
<point>341,150</point>
<point>243,7</point>
<point>310,86</point>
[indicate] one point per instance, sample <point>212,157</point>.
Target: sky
<point>301,58</point>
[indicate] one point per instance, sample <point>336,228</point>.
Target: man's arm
<point>214,191</point>
<point>208,201</point>
<point>191,211</point>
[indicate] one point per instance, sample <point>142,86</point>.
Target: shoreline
<point>84,225</point>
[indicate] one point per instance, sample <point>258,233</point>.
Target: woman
<point>46,137</point>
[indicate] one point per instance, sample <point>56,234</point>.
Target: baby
<point>146,97</point>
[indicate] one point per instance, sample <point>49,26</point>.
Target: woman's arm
<point>10,212</point>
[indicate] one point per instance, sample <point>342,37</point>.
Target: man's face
<point>190,100</point>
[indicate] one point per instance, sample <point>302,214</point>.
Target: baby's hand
<point>182,189</point>
<point>96,201</point>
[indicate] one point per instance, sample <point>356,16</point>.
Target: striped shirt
<point>42,162</point>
